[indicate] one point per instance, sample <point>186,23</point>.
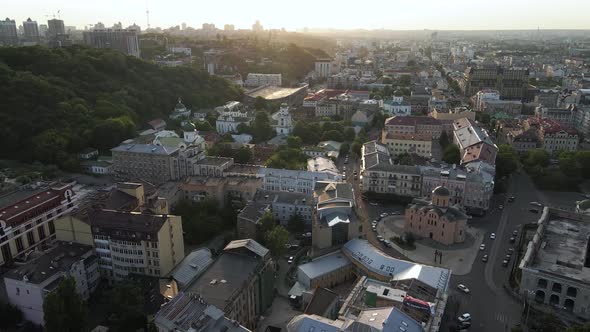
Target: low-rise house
<point>397,107</point>
<point>417,144</point>
<point>361,118</point>
<point>96,167</point>
<point>88,153</point>
<point>286,205</point>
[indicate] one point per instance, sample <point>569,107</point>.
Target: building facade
<point>8,32</point>
<point>256,80</point>
<point>417,144</point>
<point>510,83</point>
<point>29,223</point>
<point>28,285</point>
<point>437,219</point>
<point>122,40</point>
<point>135,242</point>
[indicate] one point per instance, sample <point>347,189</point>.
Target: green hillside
<point>55,102</point>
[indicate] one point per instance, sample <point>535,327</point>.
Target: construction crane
<point>147,13</point>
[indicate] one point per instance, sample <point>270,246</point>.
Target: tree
<point>537,157</point>
<point>296,224</point>
<point>506,160</point>
<point>405,80</point>
<point>349,134</point>
<point>63,308</point>
<point>444,140</point>
<point>276,240</point>
<point>126,303</point>
<point>412,63</point>
<point>451,154</point>
<point>243,155</point>
<point>260,104</point>
<point>568,164</point>
<point>261,129</point>
<point>294,142</point>
<point>333,135</point>
<point>579,328</point>
<point>356,148</point>
<point>10,316</point>
<point>344,148</point>
<point>405,159</point>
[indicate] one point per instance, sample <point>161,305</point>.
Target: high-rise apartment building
<point>55,28</point>
<point>123,40</point>
<point>31,31</point>
<point>8,33</point>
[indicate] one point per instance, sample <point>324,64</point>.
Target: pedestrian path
<point>459,261</point>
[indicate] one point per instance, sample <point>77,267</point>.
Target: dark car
<point>511,199</point>
<point>484,258</point>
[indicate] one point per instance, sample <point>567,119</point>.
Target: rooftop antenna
<point>147,13</point>
<point>58,14</point>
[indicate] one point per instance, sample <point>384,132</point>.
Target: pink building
<point>436,219</point>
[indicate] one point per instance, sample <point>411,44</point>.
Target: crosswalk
<point>500,317</point>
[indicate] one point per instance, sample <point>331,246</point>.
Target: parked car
<point>482,247</point>
<point>388,243</point>
<point>493,236</point>
<point>510,251</point>
<point>373,204</point>
<point>536,204</point>
<point>290,260</point>
<point>466,317</point>
<point>374,228</point>
<point>484,258</point>
<point>511,199</point>
<point>501,207</point>
<point>505,262</point>
<point>384,214</point>
<point>463,288</point>
<point>515,232</point>
<point>512,239</point>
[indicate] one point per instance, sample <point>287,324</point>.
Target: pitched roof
<point>249,244</point>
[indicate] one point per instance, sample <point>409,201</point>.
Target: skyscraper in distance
<point>31,31</point>
<point>8,33</point>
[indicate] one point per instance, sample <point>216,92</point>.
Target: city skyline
<point>402,15</point>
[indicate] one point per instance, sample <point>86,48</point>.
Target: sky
<point>343,14</point>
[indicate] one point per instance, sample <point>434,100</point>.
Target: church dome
<point>441,191</point>
<point>189,126</point>
<point>179,106</point>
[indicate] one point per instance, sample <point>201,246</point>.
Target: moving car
<point>290,260</point>
<point>466,317</point>
<point>493,236</point>
<point>384,214</point>
<point>463,288</point>
<point>536,204</point>
<point>484,258</point>
<point>482,247</point>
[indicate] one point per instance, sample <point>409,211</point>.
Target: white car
<point>466,317</point>
<point>536,204</point>
<point>384,214</point>
<point>373,203</point>
<point>463,288</point>
<point>482,247</point>
<point>290,260</point>
<point>493,236</point>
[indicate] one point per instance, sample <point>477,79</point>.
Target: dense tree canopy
<point>451,154</point>
<point>55,102</point>
<point>63,308</point>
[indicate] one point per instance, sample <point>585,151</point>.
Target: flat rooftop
<point>224,278</point>
<point>561,246</point>
<point>273,92</point>
<point>324,264</point>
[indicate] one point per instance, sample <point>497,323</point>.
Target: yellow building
<point>418,144</point>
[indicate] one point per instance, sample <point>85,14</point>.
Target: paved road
<point>489,304</point>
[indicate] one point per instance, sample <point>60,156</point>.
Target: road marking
<point>503,318</point>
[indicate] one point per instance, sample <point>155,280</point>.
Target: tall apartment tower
<point>55,28</point>
<point>123,40</point>
<point>31,30</point>
<point>8,33</point>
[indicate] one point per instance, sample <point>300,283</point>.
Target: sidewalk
<point>457,258</point>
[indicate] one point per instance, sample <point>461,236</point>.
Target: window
<point>31,238</point>
<point>17,291</point>
<point>51,227</point>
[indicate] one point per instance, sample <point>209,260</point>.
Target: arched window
<point>542,283</point>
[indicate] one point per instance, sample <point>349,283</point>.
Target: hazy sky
<point>293,14</point>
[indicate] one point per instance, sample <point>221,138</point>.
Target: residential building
<point>236,190</point>
<point>239,282</point>
<point>423,125</point>
<point>188,312</point>
<point>8,33</point>
<point>326,108</point>
<point>471,187</point>
<point>231,115</point>
<point>397,107</point>
<point>256,80</point>
<point>96,167</point>
<point>379,175</point>
<point>191,267</point>
<point>154,163</point>
<point>323,67</point>
<point>552,135</point>
<point>436,219</point>
<point>282,121</point>
<point>581,115</point>
<point>136,242</point>
<point>286,205</point>
<point>334,221</point>
<point>324,303</point>
<point>547,98</point>
<point>212,166</point>
<point>122,40</point>
<point>418,144</point>
<point>28,221</point>
<point>293,180</point>
<point>322,165</point>
<point>453,114</point>
<point>474,143</point>
<point>31,31</point>
<point>361,118</point>
<point>563,115</point>
<point>55,29</point>
<point>248,221</point>
<point>554,267</point>
<point>29,284</point>
<point>510,83</point>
